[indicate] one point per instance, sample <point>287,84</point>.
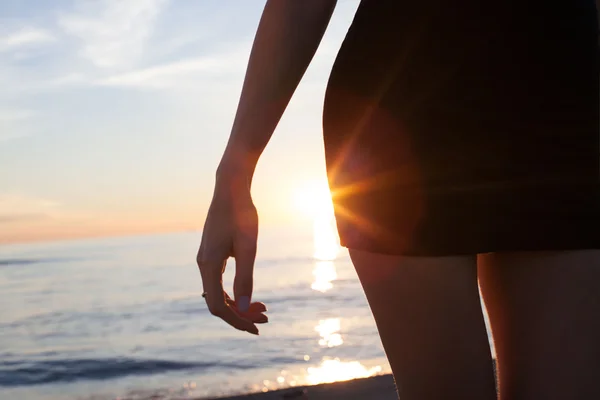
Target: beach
<point>381,387</point>
<point>377,388</point>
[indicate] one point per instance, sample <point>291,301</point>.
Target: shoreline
<point>379,387</point>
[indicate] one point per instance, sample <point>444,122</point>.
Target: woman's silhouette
<point>462,145</point>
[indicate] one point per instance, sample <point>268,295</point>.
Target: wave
<point>7,262</point>
<point>37,372</point>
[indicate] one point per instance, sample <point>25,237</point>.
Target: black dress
<point>466,126</point>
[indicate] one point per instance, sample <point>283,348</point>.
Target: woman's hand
<point>231,230</point>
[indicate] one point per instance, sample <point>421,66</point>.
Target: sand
<point>379,387</point>
<point>376,388</point>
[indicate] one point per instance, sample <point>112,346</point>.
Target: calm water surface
<point>123,318</point>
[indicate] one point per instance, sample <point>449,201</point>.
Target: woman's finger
<point>256,307</point>
<point>216,298</point>
<point>255,314</point>
<point>245,253</point>
<point>244,249</point>
<point>257,318</point>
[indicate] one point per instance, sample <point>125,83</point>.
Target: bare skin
<point>430,321</point>
<point>544,310</point>
<point>287,38</point>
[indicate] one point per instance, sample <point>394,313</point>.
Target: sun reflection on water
<point>329,331</point>
<point>327,371</point>
<point>324,273</point>
<point>315,202</point>
<point>326,247</point>
<point>334,370</point>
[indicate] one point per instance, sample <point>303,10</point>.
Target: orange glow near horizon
<point>310,201</point>
<point>70,228</point>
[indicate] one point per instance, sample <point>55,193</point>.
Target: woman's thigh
<point>544,310</point>
<point>429,317</point>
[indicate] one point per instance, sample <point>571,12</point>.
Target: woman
<point>461,141</point>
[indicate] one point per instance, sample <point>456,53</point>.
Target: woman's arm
<point>287,38</point>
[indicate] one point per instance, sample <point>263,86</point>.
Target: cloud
<point>69,79</point>
<point>15,208</point>
<point>112,32</point>
<point>25,218</point>
<point>162,75</point>
<point>25,37</point>
<point>181,72</point>
<point>18,207</point>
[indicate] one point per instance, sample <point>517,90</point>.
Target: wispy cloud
<point>186,72</point>
<point>69,79</point>
<point>112,32</point>
<point>17,208</point>
<point>25,37</point>
<point>162,76</point>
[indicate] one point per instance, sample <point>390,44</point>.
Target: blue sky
<point>114,114</point>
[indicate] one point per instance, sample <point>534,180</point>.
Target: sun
<point>312,198</point>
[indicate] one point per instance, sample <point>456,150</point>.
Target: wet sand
<point>379,387</point>
<point>376,388</point>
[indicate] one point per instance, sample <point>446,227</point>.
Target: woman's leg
<point>544,310</point>
<point>429,317</point>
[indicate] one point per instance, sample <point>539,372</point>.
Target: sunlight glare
<point>334,370</point>
<point>324,273</point>
<point>313,199</point>
<point>325,237</point>
<point>329,330</point>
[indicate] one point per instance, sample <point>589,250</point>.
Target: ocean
<point>123,318</point>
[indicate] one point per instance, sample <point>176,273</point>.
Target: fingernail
<point>243,303</point>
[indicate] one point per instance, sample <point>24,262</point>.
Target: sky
<point>114,115</point>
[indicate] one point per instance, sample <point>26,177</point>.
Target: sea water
<point>123,318</point>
